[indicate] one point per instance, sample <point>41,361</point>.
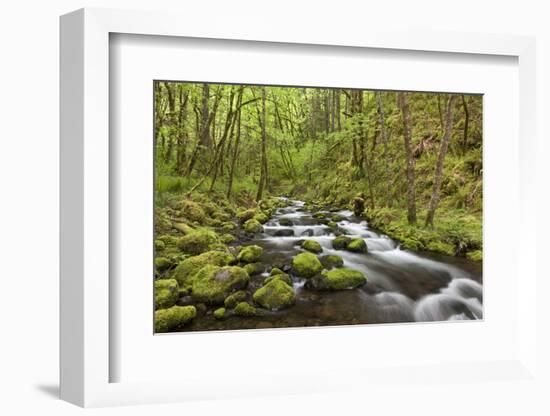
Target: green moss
<point>166,293</point>
<point>199,241</point>
<point>441,247</point>
<point>357,245</point>
<point>246,215</point>
<point>330,261</point>
<point>250,254</point>
<point>212,284</point>
<point>173,318</point>
<point>228,226</point>
<point>162,264</point>
<point>245,309</point>
<point>332,225</point>
<point>159,245</point>
<point>253,268</point>
<point>340,279</point>
<point>187,269</point>
<point>275,295</point>
<point>232,300</point>
<point>219,313</point>
<point>341,242</point>
<point>284,277</point>
<point>476,255</point>
<point>261,217</point>
<point>319,215</point>
<point>252,226</point>
<point>192,210</point>
<point>228,238</point>
<point>306,265</point>
<point>311,245</point>
<point>275,271</point>
<point>337,218</point>
<point>183,228</point>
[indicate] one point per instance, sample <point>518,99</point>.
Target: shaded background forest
<point>411,163</point>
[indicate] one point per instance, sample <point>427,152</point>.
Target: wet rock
<point>338,279</point>
<point>253,226</point>
<point>284,277</point>
<point>213,284</point>
<point>275,295</point>
<point>246,309</point>
<point>250,254</point>
<point>306,265</point>
<point>313,246</point>
<point>309,233</point>
<point>331,261</point>
<point>254,268</point>
<point>341,242</point>
<point>357,245</point>
<point>275,270</point>
<point>232,300</point>
<point>285,232</point>
<point>286,222</point>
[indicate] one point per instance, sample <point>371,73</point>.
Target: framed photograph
<point>291,210</point>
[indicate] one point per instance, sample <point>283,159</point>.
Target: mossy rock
<point>199,241</point>
<point>183,228</point>
<point>162,264</point>
<point>212,284</point>
<point>331,261</point>
<point>160,245</point>
<point>306,265</point>
<point>341,242</point>
<point>311,245</point>
<point>245,309</point>
<point>253,268</point>
<point>246,215</point>
<point>261,217</point>
<point>332,225</point>
<point>228,238</point>
<point>186,270</point>
<point>286,222</point>
<point>357,245</point>
<point>252,226</point>
<point>339,279</point>
<point>274,271</point>
<point>337,218</point>
<point>174,317</point>
<point>319,215</point>
<point>192,211</point>
<point>228,226</point>
<point>250,254</point>
<point>476,255</point>
<point>441,247</point>
<point>284,277</point>
<point>232,300</point>
<point>275,295</point>
<point>166,293</point>
<point>219,313</point>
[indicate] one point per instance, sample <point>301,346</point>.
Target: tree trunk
<point>434,201</point>
<point>384,133</point>
<point>466,122</point>
<point>263,169</point>
<point>407,136</point>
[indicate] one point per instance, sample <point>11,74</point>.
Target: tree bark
<point>466,122</point>
<point>263,169</point>
<point>438,175</point>
<point>384,133</point>
<point>407,136</point>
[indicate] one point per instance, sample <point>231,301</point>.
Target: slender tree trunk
<point>438,175</point>
<point>407,136</point>
<point>235,153</point>
<point>384,133</point>
<point>338,118</point>
<point>263,170</point>
<point>466,122</point>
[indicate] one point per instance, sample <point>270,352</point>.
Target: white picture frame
<point>85,212</point>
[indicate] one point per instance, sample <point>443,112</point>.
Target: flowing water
<point>402,286</point>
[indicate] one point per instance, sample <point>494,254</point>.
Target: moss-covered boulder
<point>219,313</point>
<point>286,222</point>
<point>192,211</point>
<point>306,265</point>
<point>250,254</point>
<point>252,226</point>
<point>246,215</point>
<point>331,261</point>
<point>319,215</point>
<point>261,217</point>
<point>245,309</point>
<point>274,271</point>
<point>228,238</point>
<point>254,268</point>
<point>162,264</point>
<point>159,245</point>
<point>212,284</point>
<point>341,242</point>
<point>284,277</point>
<point>275,295</point>
<point>339,279</point>
<point>233,299</point>
<point>186,270</point>
<point>166,293</point>
<point>311,245</point>
<point>357,245</point>
<point>199,241</point>
<point>173,318</point>
<point>228,226</point>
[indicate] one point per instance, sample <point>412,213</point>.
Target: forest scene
<point>299,207</point>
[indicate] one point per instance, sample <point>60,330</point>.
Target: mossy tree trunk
<point>263,164</point>
<point>407,138</point>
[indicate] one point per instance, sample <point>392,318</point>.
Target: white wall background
<point>29,207</point>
